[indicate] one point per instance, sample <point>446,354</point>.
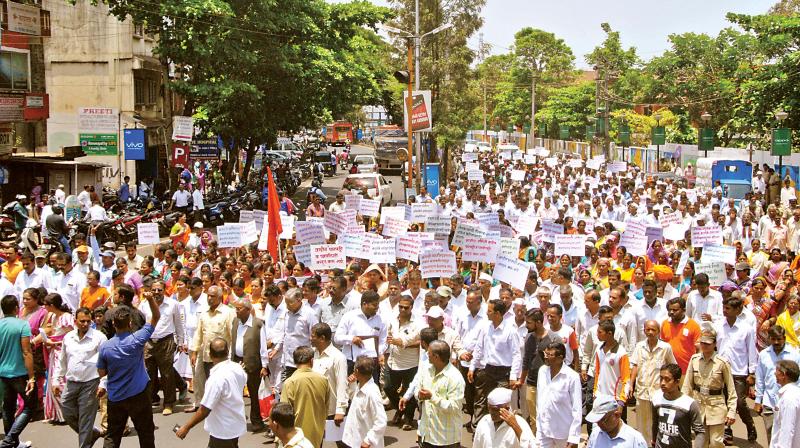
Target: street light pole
<point>780,116</point>
<point>657,116</point>
<point>706,117</point>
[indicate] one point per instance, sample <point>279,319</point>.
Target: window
<point>14,69</point>
<point>138,29</point>
<point>145,90</point>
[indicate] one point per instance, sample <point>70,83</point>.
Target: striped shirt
<point>441,414</point>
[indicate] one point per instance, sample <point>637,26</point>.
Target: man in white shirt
<point>96,214</point>
<point>611,431</point>
<point>331,363</point>
<point>76,379</point>
<point>787,416</point>
<point>30,276</point>
<point>197,204</point>
<point>339,205</point>
<point>297,328</point>
<point>362,331</point>
<point>60,195</point>
<point>168,337</point>
<point>703,304</point>
<point>767,387</point>
<point>403,360</point>
<point>502,428</point>
<point>180,199</point>
<point>223,396</point>
<point>68,281</point>
<point>558,410</point>
<point>366,418</point>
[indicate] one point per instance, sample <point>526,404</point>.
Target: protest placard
<point>369,207</point>
<point>509,247</point>
<point>654,233</point>
<point>488,220</point>
<point>383,251</point>
<point>393,212</point>
<point>529,159</point>
<point>526,224</point>
<point>711,235</point>
<point>249,232</point>
<point>352,201</point>
<point>573,245</point>
<point>552,162</point>
<point>464,229</point>
<point>550,229</point>
<point>395,227</point>
<point>259,216</point>
<point>469,156</point>
<point>512,271</point>
<point>715,271</point>
<point>303,253</point>
<point>147,233</point>
<point>438,224</point>
<point>327,256</point>
<point>670,218</point>
<point>245,215</point>
<point>421,210</point>
<point>437,263</point>
<point>263,238</point>
<point>287,224</point>
<point>575,163</point>
<point>475,176</point>
<point>675,232</point>
<point>481,249</point>
<point>518,175</point>
<point>310,232</point>
<point>593,164</point>
<point>617,167</point>
<point>338,223</point>
<point>718,254</point>
<point>634,238</point>
<point>518,155</point>
<point>471,166</point>
<point>229,235</point>
<point>682,262</point>
<point>353,244</point>
<point>408,246</point>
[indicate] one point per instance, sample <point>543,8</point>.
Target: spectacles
<point>157,290</point>
<point>403,307</point>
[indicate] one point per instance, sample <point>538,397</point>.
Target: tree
<point>570,106</point>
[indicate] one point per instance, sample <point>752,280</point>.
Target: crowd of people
<point>341,353</point>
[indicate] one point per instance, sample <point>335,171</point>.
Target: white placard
<point>718,254</point>
<point>353,244</point>
<point>675,232</point>
<point>303,253</point>
<point>526,225</point>
<point>352,201</point>
<point>395,227</point>
<point>512,271</point>
<point>593,164</point>
<point>147,233</point>
<point>550,229</point>
<point>182,128</point>
<point>488,220</point>
<point>327,256</point>
<point>480,249</point>
<point>398,212</point>
<point>518,155</point>
<point>249,232</point>
<point>338,223</point>
<point>310,232</point>
<point>475,176</point>
<point>383,251</point>
<point>682,262</point>
<point>408,246</point>
<point>654,233</point>
<point>530,159</point>
<point>552,162</point>
<point>287,224</point>
<point>575,163</point>
<point>465,229</point>
<point>229,235</point>
<point>711,235</point>
<point>634,238</point>
<point>518,175</point>
<point>369,207</point>
<point>617,167</point>
<point>469,157</point>
<point>438,224</point>
<point>715,271</point>
<point>421,210</point>
<point>509,247</point>
<point>471,166</point>
<point>573,245</point>
<point>670,218</point>
<point>245,215</point>
<point>259,216</point>
<point>437,263</point>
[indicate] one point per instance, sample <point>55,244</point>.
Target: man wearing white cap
<point>435,316</point>
<point>502,428</point>
<point>60,195</point>
<point>610,431</point>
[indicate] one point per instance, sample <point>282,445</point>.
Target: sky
<point>645,24</point>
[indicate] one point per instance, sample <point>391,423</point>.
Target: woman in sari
<point>34,313</point>
<point>763,308</point>
<point>94,295</point>
<point>59,322</point>
<point>789,320</point>
<point>655,251</point>
<point>625,265</point>
<point>180,232</point>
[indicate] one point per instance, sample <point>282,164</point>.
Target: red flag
<point>273,216</point>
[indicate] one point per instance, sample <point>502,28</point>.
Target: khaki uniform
<point>710,383</point>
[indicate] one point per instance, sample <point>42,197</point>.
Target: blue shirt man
<point>16,372</point>
<point>767,386</point>
<point>125,190</point>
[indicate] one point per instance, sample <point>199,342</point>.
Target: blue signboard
<point>432,179</point>
<point>133,139</point>
<point>359,134</point>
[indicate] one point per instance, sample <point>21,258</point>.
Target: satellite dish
<point>402,154</point>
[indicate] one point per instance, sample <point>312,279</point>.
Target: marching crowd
<point>340,353</point>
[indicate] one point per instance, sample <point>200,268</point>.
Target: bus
<point>340,133</point>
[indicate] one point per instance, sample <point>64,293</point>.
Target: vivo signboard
<point>133,139</point>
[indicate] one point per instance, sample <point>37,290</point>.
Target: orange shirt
<point>683,338</point>
<point>93,300</point>
<point>12,270</point>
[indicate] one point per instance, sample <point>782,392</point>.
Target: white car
<point>366,163</point>
<point>377,186</point>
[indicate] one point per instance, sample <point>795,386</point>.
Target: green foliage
<point>570,105</point>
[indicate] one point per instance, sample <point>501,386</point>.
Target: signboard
<point>589,132</point>
<point>382,250</point>
<point>659,135</point>
<point>512,271</point>
<point>563,132</point>
<point>310,232</point>
<point>182,128</point>
<point>480,249</point>
<point>147,233</point>
<point>11,108</point>
<point>6,139</point>
<point>99,144</point>
<point>421,112</point>
<point>23,19</point>
<point>518,175</point>
<point>706,139</point>
<point>432,179</point>
<point>437,263</point>
<point>624,135</point>
<point>438,224</point>
<point>617,167</point>
<point>204,149</point>
<point>634,238</point>
<point>670,218</point>
<point>782,142</point>
<point>133,142</point>
<point>718,254</point>
<point>327,256</point>
<point>180,155</point>
<point>37,106</point>
<point>572,245</point>
<point>368,207</point>
<point>395,227</point>
<point>229,235</point>
<point>715,271</point>
<point>408,246</point>
<point>98,120</point>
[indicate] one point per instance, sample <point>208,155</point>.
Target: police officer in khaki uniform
<point>710,382</point>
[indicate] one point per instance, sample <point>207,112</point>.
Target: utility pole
<point>606,142</point>
<point>533,109</point>
<point>481,57</point>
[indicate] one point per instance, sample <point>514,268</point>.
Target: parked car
<point>377,186</point>
<point>366,163</point>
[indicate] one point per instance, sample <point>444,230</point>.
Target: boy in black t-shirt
<point>675,415</point>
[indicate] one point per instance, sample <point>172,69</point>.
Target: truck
<point>339,133</point>
<point>735,176</point>
<point>388,141</point>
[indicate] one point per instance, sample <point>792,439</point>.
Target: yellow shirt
<point>12,270</point>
